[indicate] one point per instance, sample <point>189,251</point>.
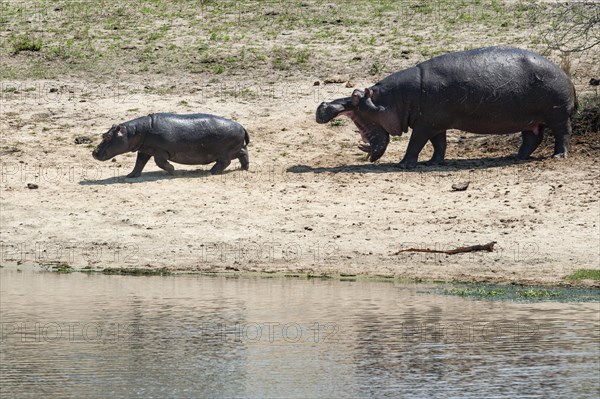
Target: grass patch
<point>335,122</point>
<point>284,58</point>
<point>21,43</point>
<point>250,38</point>
<point>218,69</point>
<point>587,117</point>
<point>376,68</point>
<point>585,274</point>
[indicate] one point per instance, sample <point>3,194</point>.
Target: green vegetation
<point>376,68</point>
<point>137,271</point>
<point>585,274</point>
<point>523,293</point>
<point>62,268</point>
<point>24,43</point>
<point>335,122</point>
<point>53,38</point>
<point>218,69</point>
<point>587,117</point>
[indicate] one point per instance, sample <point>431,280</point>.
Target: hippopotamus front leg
<point>140,162</point>
<point>417,141</point>
<point>160,157</point>
<point>439,149</point>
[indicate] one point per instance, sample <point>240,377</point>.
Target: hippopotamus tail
<point>246,137</point>
<point>576,105</point>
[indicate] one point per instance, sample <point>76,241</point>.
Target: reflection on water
<point>87,336</point>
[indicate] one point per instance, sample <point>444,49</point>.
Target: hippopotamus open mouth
<point>361,110</point>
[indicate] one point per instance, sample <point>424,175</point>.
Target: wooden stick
<point>471,248</point>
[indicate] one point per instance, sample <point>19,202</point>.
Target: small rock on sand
<point>334,79</point>
<point>462,186</point>
<point>83,140</point>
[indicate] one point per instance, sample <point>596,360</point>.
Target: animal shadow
<point>146,177</point>
<point>450,165</point>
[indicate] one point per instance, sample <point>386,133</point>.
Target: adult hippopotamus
<point>492,90</point>
<point>194,139</point>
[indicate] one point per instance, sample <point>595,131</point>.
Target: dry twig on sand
<point>471,248</point>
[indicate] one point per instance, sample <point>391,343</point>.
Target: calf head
<point>368,118</point>
<point>117,140</point>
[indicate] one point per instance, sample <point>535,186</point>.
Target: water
<point>89,336</point>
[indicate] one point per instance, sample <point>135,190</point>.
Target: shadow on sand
<point>447,166</point>
<point>153,176</point>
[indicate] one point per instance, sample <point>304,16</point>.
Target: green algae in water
<point>62,268</point>
<point>524,294</point>
<point>137,272</point>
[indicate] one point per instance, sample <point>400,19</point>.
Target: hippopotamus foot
<point>140,162</point>
<point>134,174</point>
<point>161,162</point>
<point>415,145</point>
<point>220,166</point>
<point>243,158</point>
<point>407,164</point>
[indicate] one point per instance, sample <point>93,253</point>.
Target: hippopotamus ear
<point>121,131</point>
<point>369,95</point>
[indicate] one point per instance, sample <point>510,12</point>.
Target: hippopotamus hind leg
<point>530,141</point>
<point>562,133</point>
<point>220,166</point>
<point>439,149</point>
<point>140,162</point>
<point>243,158</point>
<point>161,161</point>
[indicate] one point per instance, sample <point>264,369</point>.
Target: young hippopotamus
<point>492,90</point>
<point>194,139</point>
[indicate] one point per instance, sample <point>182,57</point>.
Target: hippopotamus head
<point>114,142</point>
<point>368,118</point>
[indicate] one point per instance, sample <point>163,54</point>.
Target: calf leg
<point>243,158</point>
<point>220,166</point>
<point>530,141</point>
<point>161,161</point>
<point>140,162</point>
